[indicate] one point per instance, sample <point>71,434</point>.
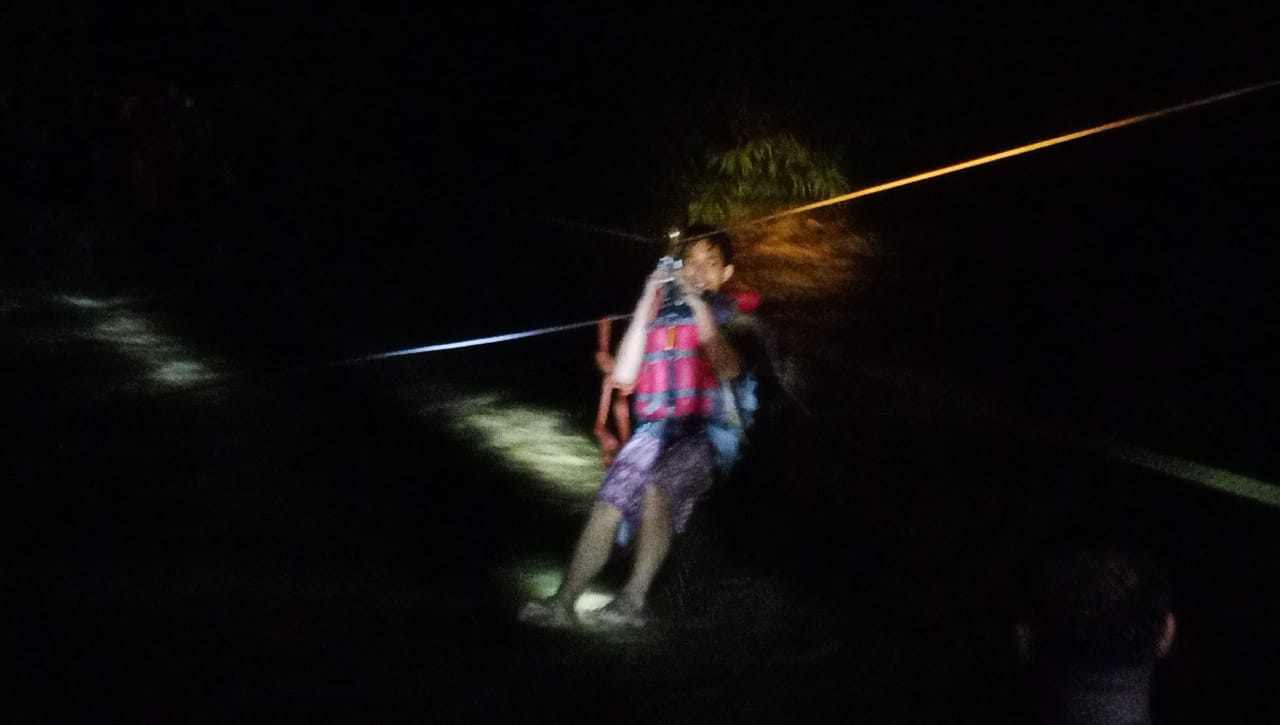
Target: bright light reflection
<point>168,362</point>
<point>87,303</point>
<point>539,581</point>
<point>538,442</point>
<point>95,303</point>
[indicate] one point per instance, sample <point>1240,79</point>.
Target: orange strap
<point>610,443</point>
<point>614,396</point>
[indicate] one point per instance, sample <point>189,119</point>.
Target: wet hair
<point>1096,605</point>
<point>715,238</point>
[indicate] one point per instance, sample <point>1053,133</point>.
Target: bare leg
<point>589,557</point>
<point>651,547</point>
<point>591,554</point>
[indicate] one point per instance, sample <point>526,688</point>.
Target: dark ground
<point>304,548</point>
<point>312,547</point>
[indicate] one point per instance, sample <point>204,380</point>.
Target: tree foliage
<point>807,256</point>
<point>760,176</point>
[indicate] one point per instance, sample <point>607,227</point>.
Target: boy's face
<point>703,267</point>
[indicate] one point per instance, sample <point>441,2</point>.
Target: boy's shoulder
<point>744,302</point>
<point>731,307</point>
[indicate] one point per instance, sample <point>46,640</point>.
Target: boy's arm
<point>724,358</point>
<point>631,349</point>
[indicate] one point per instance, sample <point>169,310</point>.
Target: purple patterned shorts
<point>682,469</point>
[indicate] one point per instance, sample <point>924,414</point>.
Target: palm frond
<point>763,173</point>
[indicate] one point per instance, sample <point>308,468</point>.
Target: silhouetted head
<point>1096,606</point>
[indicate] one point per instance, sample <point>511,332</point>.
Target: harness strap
<point>610,443</point>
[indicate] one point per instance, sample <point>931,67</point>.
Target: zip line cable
<point>1239,485</point>
<point>1246,487</point>
<point>1009,153</point>
<point>868,191</point>
<point>475,342</point>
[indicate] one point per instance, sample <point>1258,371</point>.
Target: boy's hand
<point>692,295</point>
<point>651,285</point>
<point>656,280</point>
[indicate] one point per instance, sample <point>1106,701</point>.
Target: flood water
<point>209,527</point>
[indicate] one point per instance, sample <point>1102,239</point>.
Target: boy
<point>677,358</point>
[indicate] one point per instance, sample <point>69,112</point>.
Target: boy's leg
<point>591,553</point>
<point>652,546</point>
<point>686,471</point>
<point>589,556</point>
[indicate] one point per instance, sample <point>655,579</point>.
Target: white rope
<point>473,342</point>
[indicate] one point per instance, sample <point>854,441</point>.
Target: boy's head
<point>707,255</point>
<point>1095,604</point>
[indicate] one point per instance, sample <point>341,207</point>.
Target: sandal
<point>547,613</point>
<point>621,612</point>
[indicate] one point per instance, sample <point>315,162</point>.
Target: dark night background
<point>284,184</point>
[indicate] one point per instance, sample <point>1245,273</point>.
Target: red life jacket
<point>610,443</point>
<point>676,380</point>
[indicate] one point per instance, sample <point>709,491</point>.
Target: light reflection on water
<point>542,445</point>
<point>539,580</point>
<point>538,442</point>
<point>168,363</point>
<point>87,303</point>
